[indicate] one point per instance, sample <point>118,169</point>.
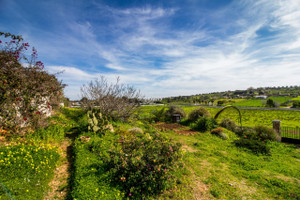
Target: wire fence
<point>290,132</point>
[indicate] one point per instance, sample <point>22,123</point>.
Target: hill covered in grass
<point>281,95</point>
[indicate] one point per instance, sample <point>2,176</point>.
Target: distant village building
<point>75,104</point>
<point>261,97</point>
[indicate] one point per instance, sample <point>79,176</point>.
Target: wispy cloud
<point>173,49</point>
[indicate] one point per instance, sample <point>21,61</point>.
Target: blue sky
<point>163,48</point>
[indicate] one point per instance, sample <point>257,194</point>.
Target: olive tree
<point>114,99</point>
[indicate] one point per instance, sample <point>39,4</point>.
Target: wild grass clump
<point>136,130</point>
<point>219,132</point>
<point>197,113</point>
<point>229,124</point>
<point>204,124</point>
<point>265,133</point>
<point>256,147</point>
<point>259,132</point>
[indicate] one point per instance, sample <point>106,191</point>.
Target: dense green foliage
<point>270,103</point>
<point>158,115</point>
<point>143,165</point>
<point>204,124</point>
<point>197,113</point>
<point>296,104</point>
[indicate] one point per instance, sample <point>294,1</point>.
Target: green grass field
<point>213,168</point>
<point>296,99</point>
<point>250,103</point>
<point>250,117</point>
<point>216,169</point>
<point>261,102</point>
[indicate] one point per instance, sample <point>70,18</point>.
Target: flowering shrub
<point>26,93</point>
<point>143,165</point>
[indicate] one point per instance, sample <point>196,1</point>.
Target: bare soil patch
<point>177,128</point>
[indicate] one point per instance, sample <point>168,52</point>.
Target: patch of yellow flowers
<point>26,156</point>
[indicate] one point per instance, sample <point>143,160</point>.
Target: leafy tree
<point>27,90</point>
<point>270,103</point>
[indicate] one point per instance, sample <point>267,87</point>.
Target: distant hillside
<point>283,96</point>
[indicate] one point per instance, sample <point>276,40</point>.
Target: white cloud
<point>246,43</point>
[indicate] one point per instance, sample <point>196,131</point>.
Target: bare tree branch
<point>116,100</point>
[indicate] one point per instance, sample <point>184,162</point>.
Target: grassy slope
<point>216,168</point>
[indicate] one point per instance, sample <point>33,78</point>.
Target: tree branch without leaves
<point>116,100</point>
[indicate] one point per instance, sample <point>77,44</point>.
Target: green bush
<point>197,113</point>
<point>159,115</point>
<point>257,147</point>
<point>143,166</point>
<point>265,133</point>
<point>174,110</point>
<point>204,124</point>
<point>270,103</point>
<point>229,124</point>
<point>296,104</point>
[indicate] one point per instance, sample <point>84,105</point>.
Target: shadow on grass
<point>75,132</point>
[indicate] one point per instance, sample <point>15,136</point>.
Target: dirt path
<point>60,183</point>
<point>179,129</point>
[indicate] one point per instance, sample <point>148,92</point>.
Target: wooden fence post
<point>277,128</point>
